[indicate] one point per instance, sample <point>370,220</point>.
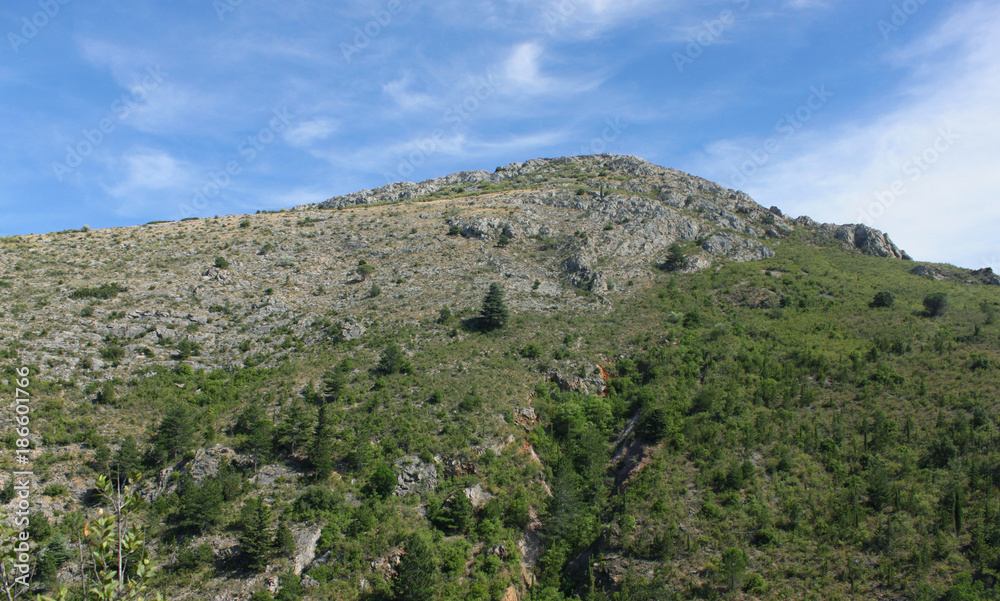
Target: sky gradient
<point>848,111</point>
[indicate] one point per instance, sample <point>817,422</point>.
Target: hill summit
<point>576,378</point>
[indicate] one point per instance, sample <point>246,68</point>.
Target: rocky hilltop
<point>684,375</point>
<point>236,285</point>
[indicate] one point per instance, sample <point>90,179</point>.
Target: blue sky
<point>884,112</point>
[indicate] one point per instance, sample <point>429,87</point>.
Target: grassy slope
<point>794,391</point>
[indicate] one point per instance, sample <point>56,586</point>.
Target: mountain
<point>584,377</point>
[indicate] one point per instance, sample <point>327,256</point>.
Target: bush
<point>104,291</point>
<point>192,558</point>
<point>221,263</point>
<point>113,353</point>
<point>676,259</point>
<point>393,361</point>
<point>445,316</point>
<point>364,270</point>
<point>531,351</point>
<point>936,304</point>
<point>883,299</point>
<point>54,490</point>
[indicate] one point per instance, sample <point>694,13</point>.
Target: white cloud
<point>924,170</point>
<point>308,132</point>
<point>143,175</point>
<point>406,98</point>
<point>522,68</point>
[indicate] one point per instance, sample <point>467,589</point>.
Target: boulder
<point>351,330</point>
<point>478,496</point>
<point>414,476</point>
<point>868,240</point>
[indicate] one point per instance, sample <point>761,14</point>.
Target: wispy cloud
<point>308,132</point>
<point>143,172</point>
<point>924,169</point>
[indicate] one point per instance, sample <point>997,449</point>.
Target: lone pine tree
<point>494,313</point>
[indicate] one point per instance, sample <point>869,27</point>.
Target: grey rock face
<point>351,330</point>
<point>415,476</point>
<point>478,496</point>
<point>572,383</point>
<point>986,276</point>
<point>868,240</point>
<point>725,244</point>
<point>929,272</point>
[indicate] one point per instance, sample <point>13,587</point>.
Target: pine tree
<point>334,383</point>
<point>383,481</point>
<point>393,361</point>
<point>127,459</point>
<point>494,313</point>
<point>676,259</point>
<point>256,540</point>
<point>174,435</point>
<point>321,449</point>
<point>417,573</point>
<point>295,430</point>
<point>364,270</point>
<point>284,542</point>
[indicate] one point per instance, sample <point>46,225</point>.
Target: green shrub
<point>883,299</point>
<point>531,351</point>
<point>936,304</point>
<point>104,291</point>
<point>393,361</point>
<point>113,353</point>
<point>54,490</point>
<point>221,263</point>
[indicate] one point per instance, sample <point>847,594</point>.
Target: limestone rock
<point>929,272</point>
<point>478,496</point>
<point>986,276</point>
<point>414,476</point>
<point>351,330</point>
<point>868,240</point>
<point>726,244</point>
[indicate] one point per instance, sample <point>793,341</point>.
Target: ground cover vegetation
<point>816,425</point>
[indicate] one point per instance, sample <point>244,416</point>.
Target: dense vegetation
<point>819,425</point>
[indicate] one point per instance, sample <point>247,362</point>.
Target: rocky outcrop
<point>986,276</point>
<point>868,240</point>
<point>725,244</point>
<point>351,330</point>
<point>571,383</point>
<point>414,476</point>
<point>929,272</point>
<point>979,276</point>
<point>478,496</point>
